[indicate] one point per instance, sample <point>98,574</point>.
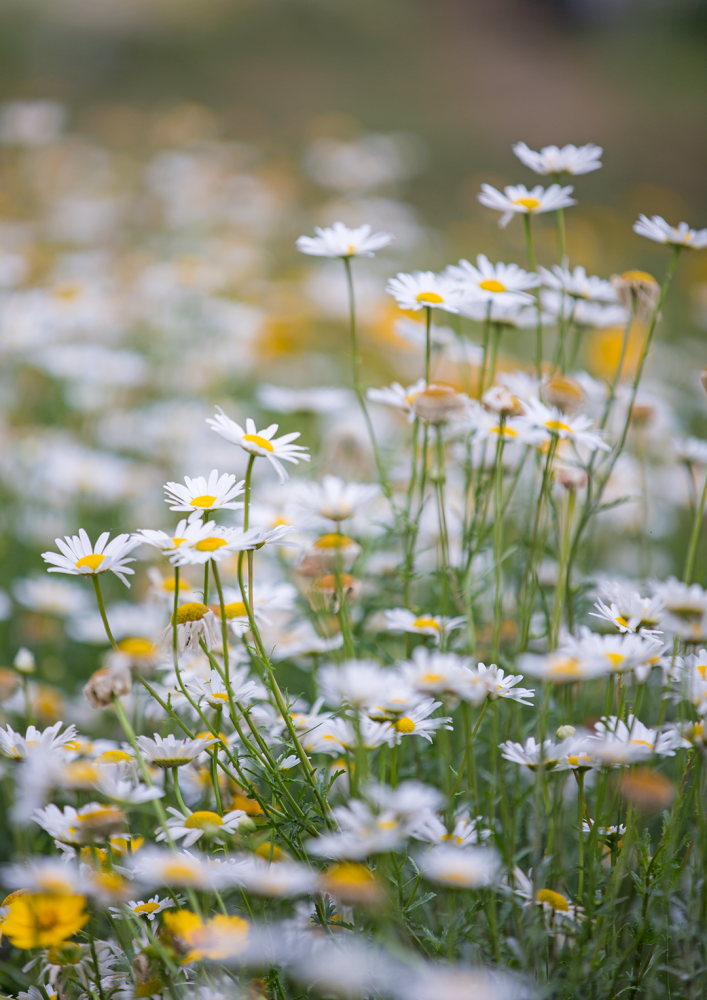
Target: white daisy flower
<point>658,230</point>
<point>262,443</point>
<point>578,284</point>
<point>620,742</point>
<point>418,722</point>
<point>198,824</point>
<point>582,312</point>
<point>628,611</point>
<point>617,653</point>
<point>216,493</point>
<point>205,540</point>
<point>531,754</point>
<point>168,751</point>
<point>358,683</point>
<point>145,908</point>
<point>691,450</point>
<point>466,832</point>
<point>80,558</point>
<point>555,160</point>
<point>49,740</point>
<point>93,822</point>
<point>685,605</point>
<point>195,621</point>
<point>42,874</point>
<point>494,684</point>
<point>552,421</point>
<point>506,284</point>
<point>397,396</point>
<point>112,783</point>
<point>276,878</point>
<point>159,866</point>
<point>340,241</point>
<point>162,540</point>
<point>213,690</point>
<point>461,868</point>
<point>563,666</point>
<point>333,498</point>
<point>431,672</point>
<point>49,596</point>
<point>437,626</point>
<point>299,638</point>
<point>518,199</point>
<point>425,290</point>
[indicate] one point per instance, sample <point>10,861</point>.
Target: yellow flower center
<point>203,820</point>
<point>113,757</point>
<point>556,425</point>
<point>260,441</point>
<point>205,501</point>
<point>638,276</point>
<point>67,293</point>
<point>405,725</point>
<point>426,623</point>
<point>177,872</point>
<point>554,899</point>
<point>146,908</point>
<point>566,668</point>
<point>431,298</point>
<point>235,610</point>
<point>168,582</point>
<point>641,743</point>
<point>136,646</point>
<point>491,285</point>
<point>432,678</point>
<point>99,817</point>
<point>193,611</point>
<point>615,659</point>
<point>219,696</point>
<point>210,544</point>
<point>177,542</point>
<point>620,620</point>
<point>333,541</point>
<point>93,561</point>
<point>530,203</point>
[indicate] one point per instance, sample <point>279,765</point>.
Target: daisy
<point>494,684</point>
<point>430,672</point>
<point>80,558</point>
<point>559,305</point>
<point>685,605</point>
<point>619,653</point>
<point>518,199</point>
<point>577,284</point>
<point>466,832</point>
<point>620,742</point>
<point>340,241</point>
<point>157,866</point>
<point>562,666</point>
<point>42,874</point>
<point>171,752</point>
<point>216,493</point>
<point>437,626</point>
<point>628,611</point>
<point>92,822</point>
<point>276,878</point>
<point>145,908</point>
<point>425,290</point>
<point>358,683</point>
<point>195,621</point>
<point>418,722</point>
<point>567,160</point>
<point>397,396</point>
<point>506,284</point>
<point>214,692</point>
<point>658,230</point>
<point>261,443</point>
<point>197,824</point>
<point>553,422</point>
<point>49,740</point>
<point>531,754</point>
<point>333,498</point>
<point>112,783</point>
<point>205,540</point>
<point>461,868</point>
<point>162,540</point>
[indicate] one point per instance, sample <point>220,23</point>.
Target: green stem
<point>102,609</point>
<point>695,535</point>
<point>178,792</point>
<point>428,342</point>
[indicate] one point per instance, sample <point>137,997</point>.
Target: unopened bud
<point>571,479</point>
<point>439,403</point>
<point>499,399</point>
<point>564,393</point>
<point>637,291</point>
<point>564,732</point>
<point>104,684</point>
<point>24,661</point>
<point>324,593</point>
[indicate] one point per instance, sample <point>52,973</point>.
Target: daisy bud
<point>107,682</point>
<point>642,414</point>
<point>649,791</point>
<point>571,479</point>
<point>498,399</point>
<point>439,404</point>
<point>637,290</point>
<point>564,393</point>
<point>24,661</point>
<point>703,379</point>
<point>328,553</point>
<point>324,594</point>
<point>564,732</point>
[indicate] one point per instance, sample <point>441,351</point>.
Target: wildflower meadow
<point>336,686</point>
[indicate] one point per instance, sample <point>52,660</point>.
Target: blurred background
<point>158,158</point>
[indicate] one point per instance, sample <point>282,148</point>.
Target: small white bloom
<point>622,742</point>
<point>518,199</point>
<point>49,740</point>
<point>425,290</point>
<point>437,626</point>
<point>505,284</point>
<point>145,908</point>
<point>397,396</point>
<point>170,752</point>
<point>216,493</point>
<point>340,241</point>
<point>552,421</point>
<point>461,868</point>
<point>333,498</point>
<point>658,230</point>
<point>569,159</point>
<point>578,284</point>
<point>198,824</point>
<point>80,558</point>
<point>262,443</point>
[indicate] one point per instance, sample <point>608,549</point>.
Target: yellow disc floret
<point>203,501</point>
<point>430,298</point>
<point>491,285</point>
<point>554,899</point>
<point>93,561</point>
<point>203,820</point>
<point>210,544</point>
<point>192,611</point>
<point>260,441</point>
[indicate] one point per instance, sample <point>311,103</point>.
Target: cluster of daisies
<point>301,774</point>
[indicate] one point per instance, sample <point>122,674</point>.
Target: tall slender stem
<point>102,609</point>
<point>532,264</point>
<point>428,342</point>
<point>498,537</point>
<point>695,534</point>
